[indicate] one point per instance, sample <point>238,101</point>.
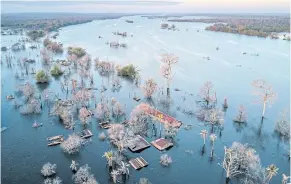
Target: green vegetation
<point>78,51</point>
<point>41,77</point>
<point>49,21</point>
<point>35,34</point>
<point>128,71</point>
<point>56,70</point>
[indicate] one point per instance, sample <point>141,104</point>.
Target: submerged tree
<point>27,90</point>
<point>149,88</point>
<point>207,93</point>
<point>138,119</point>
<point>123,168</point>
<point>48,169</point>
<point>118,136</point>
<point>82,96</point>
<point>168,61</point>
<point>74,166</point>
<point>165,160</point>
<point>170,131</point>
<point>271,171</point>
<point>102,111</point>
<point>45,56</point>
<point>109,157</point>
<point>285,179</point>
<point>114,174</point>
<point>144,181</point>
<point>84,176</point>
<point>203,134</point>
<point>117,109</point>
<point>42,77</point>
<point>282,126</point>
<point>212,138</point>
<point>241,117</point>
<point>84,115</point>
<point>265,93</point>
<point>242,162</point>
<point>56,180</point>
<point>72,144</point>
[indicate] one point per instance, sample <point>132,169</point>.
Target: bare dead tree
<point>265,94</point>
<point>149,88</point>
<point>207,93</point>
<point>168,60</point>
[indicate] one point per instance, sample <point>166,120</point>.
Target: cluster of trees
<point>130,71</point>
<point>35,34</point>
<point>53,46</point>
<point>237,29</point>
<point>78,51</point>
<point>46,22</point>
<point>241,162</point>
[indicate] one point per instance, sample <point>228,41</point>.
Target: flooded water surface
<point>24,149</point>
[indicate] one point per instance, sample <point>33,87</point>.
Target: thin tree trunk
<point>264,109</point>
<point>227,180</point>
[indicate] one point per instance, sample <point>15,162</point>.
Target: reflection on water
<point>24,149</point>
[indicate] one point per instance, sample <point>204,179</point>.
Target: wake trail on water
<point>232,42</point>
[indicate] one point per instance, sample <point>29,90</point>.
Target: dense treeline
<point>49,23</point>
<point>252,26</point>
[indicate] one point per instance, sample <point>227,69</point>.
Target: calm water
<point>24,149</point>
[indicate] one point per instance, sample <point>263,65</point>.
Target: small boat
<point>136,99</point>
<point>9,97</point>
<point>105,125</point>
<point>86,134</point>
<point>36,125</point>
<point>57,142</point>
<point>53,138</point>
<point>176,89</point>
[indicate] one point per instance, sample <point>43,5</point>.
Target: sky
<point>148,6</point>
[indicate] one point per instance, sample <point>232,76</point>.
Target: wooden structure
<point>138,163</point>
<point>86,134</point>
<point>164,118</point>
<point>162,144</point>
<point>105,125</point>
<point>139,144</point>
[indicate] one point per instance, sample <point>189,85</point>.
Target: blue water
<point>24,149</point>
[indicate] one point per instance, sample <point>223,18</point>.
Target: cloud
<point>116,2</point>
